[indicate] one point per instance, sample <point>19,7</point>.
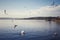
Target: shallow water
<point>34,30</point>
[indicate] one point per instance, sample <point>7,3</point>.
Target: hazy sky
<point>29,8</point>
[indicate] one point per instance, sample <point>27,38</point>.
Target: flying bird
<point>15,26</point>
<point>54,4</point>
<point>5,12</point>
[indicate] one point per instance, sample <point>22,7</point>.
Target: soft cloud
<point>47,11</point>
<point>42,11</point>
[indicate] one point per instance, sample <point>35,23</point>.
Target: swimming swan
<point>22,32</point>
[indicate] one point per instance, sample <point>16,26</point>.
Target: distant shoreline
<point>32,18</point>
<point>55,19</point>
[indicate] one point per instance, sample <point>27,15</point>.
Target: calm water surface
<point>34,30</point>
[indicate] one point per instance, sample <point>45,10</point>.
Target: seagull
<point>15,26</point>
<point>5,12</point>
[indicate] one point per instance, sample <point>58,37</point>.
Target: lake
<point>34,30</point>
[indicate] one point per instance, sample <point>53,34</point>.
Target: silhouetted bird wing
<point>15,26</point>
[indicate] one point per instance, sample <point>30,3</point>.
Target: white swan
<point>22,32</point>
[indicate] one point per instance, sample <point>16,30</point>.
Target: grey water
<point>34,30</point>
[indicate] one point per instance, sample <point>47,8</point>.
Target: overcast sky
<point>29,8</point>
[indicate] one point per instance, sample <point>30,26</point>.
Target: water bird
<point>15,26</point>
<point>55,34</point>
<point>5,12</point>
<point>53,4</point>
<point>22,32</point>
